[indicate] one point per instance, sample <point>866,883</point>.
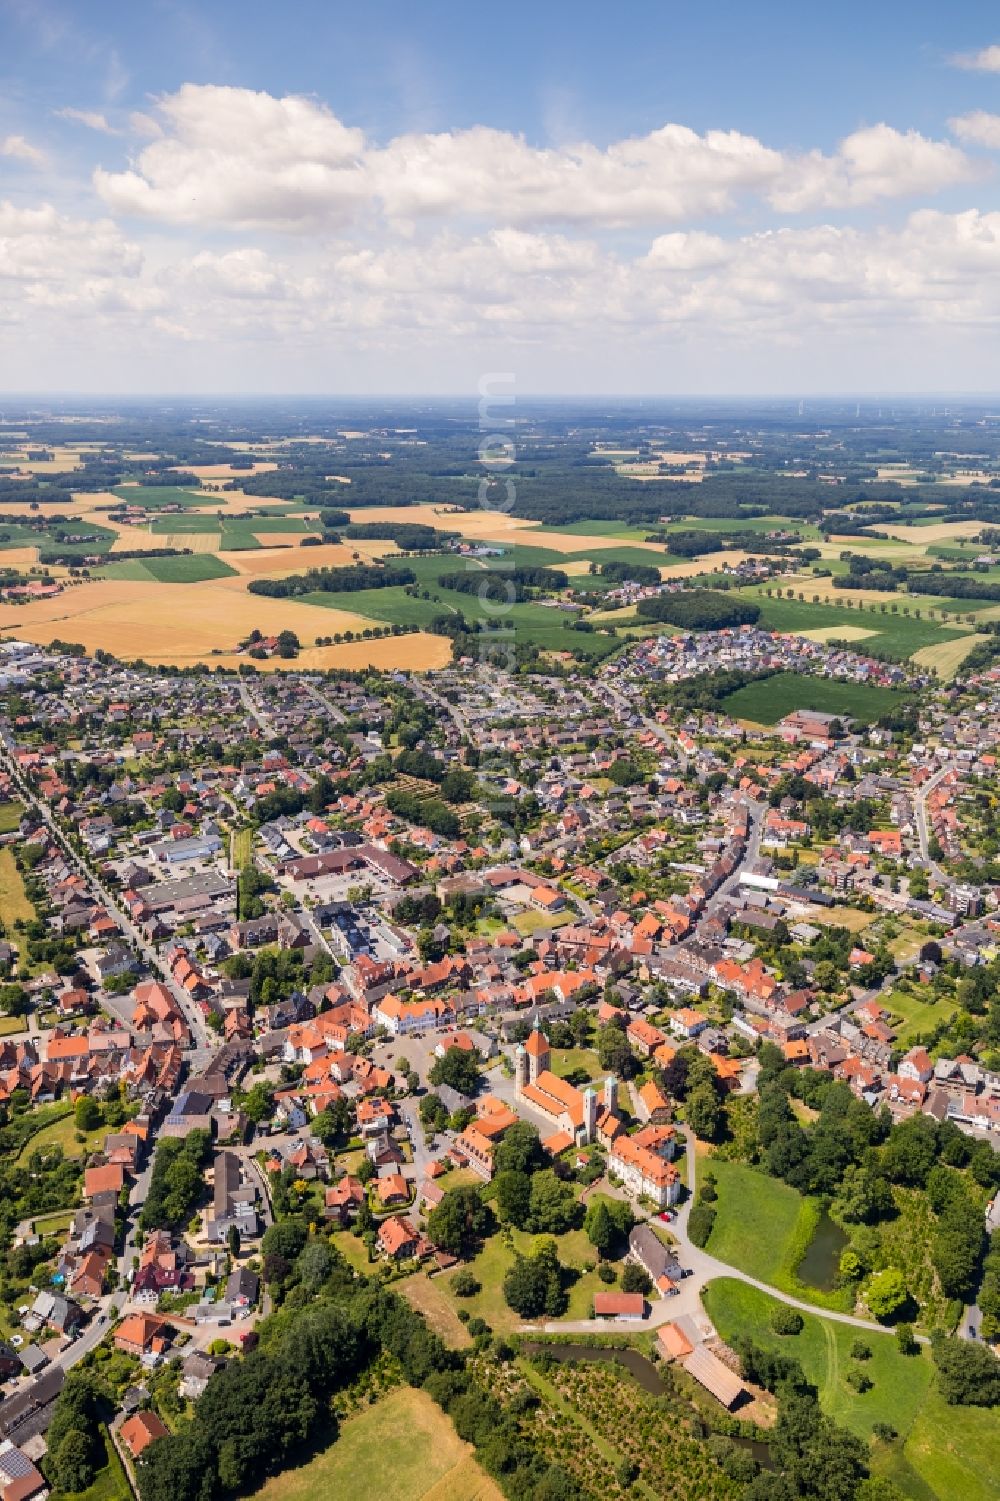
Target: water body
<point>821,1262</point>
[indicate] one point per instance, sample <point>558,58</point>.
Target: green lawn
<point>900,1382</point>
<point>762,1226</point>
<point>955,1450</point>
<point>10,816</point>
<point>63,1133</point>
<point>567,1061</point>
<point>402,1448</point>
<point>491,1265</point>
<point>770,699</point>
<point>943,1453</point>
<point>240,848</point>
<point>11,1025</point>
<point>918,1014</point>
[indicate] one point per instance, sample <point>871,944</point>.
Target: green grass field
<point>204,522</point>
<point>403,1448</point>
<point>155,497</point>
<point>896,635</point>
<point>14,901</point>
<point>769,700</point>
<point>391,606</point>
<point>194,568</point>
<point>942,1453</point>
<point>918,1015</point>
<point>10,816</point>
<point>491,1265</point>
<point>63,1133</point>
<point>900,1382</point>
<point>761,1226</point>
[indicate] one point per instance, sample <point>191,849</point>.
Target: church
<point>574,1113</point>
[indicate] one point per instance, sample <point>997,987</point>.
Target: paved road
<point>337,715</point>
<point>923,830</point>
<point>704,1269</point>
<point>193,1016</point>
<point>254,709</point>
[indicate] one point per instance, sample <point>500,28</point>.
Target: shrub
<point>700,1223</point>
<point>464,1284</point>
<point>785,1320</point>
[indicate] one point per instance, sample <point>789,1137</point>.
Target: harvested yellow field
<point>576,568</point>
<point>223,471</point>
<point>625,612</point>
<point>481,525</point>
<point>946,657</point>
<point>837,633</point>
<point>710,563</point>
<point>475,523</point>
<point>18,557</point>
<point>184,541</point>
<point>938,531</point>
<point>282,539</point>
<point>295,559</point>
<point>155,621</point>
<point>824,589</point>
<point>416,653</point>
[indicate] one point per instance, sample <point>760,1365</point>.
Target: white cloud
<point>241,159</point>
<point>873,163</point>
<point>92,119</point>
<point>979,127</point>
<point>22,150</point>
<point>40,246</point>
<point>987,60</point>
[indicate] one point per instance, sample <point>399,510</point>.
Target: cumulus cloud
<point>92,119</point>
<point>40,246</point>
<point>987,60</point>
<point>979,127</point>
<point>873,163</point>
<point>242,159</point>
<point>22,151</point>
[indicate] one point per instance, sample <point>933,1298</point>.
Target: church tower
<point>537,1050</point>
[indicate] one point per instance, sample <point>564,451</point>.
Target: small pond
<point>821,1262</point>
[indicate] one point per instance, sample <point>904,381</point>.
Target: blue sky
<point>395,197</point>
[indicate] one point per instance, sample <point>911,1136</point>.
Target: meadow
<point>404,1447</point>
<point>941,1453</point>
<point>770,699</point>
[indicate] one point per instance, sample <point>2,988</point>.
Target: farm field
<point>14,902</point>
<point>132,618</point>
<point>155,497</point>
<point>897,635</point>
<point>947,657</point>
<point>196,569</point>
<point>407,1450</point>
<point>770,699</point>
